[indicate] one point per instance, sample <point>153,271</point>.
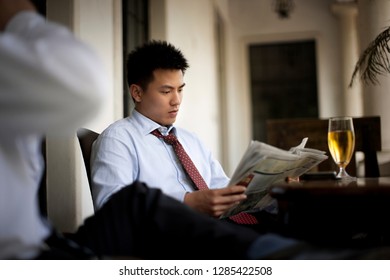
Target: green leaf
<point>374,60</point>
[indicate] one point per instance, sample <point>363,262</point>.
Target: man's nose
<point>176,98</point>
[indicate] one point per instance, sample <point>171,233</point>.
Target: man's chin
<point>168,122</point>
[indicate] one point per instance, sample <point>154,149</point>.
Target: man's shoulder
<point>185,132</point>
<point>119,128</point>
<point>187,135</point>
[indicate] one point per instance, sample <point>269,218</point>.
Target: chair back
<point>42,191</point>
<point>86,138</point>
<point>286,133</point>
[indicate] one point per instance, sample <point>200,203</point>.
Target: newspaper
<point>263,164</point>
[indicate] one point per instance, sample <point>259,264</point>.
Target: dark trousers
<point>142,222</point>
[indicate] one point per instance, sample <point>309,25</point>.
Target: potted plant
<point>374,60</point>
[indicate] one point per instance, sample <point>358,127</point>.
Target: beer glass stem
<point>342,173</point>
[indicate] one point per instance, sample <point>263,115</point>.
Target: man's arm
<point>9,8</point>
<point>48,78</point>
<point>113,166</point>
<point>215,202</point>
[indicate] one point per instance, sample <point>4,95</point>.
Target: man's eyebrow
<point>171,87</point>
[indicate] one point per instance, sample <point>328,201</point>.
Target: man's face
<point>161,100</point>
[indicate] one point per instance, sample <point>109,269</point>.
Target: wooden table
<point>332,211</point>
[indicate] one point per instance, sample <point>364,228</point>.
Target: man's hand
<point>9,8</point>
<point>215,202</point>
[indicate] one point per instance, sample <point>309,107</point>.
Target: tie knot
<point>170,139</point>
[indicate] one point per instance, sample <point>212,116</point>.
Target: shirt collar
<point>147,125</point>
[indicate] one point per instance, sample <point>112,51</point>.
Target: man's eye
<point>165,92</point>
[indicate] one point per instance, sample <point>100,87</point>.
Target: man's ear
<point>136,92</point>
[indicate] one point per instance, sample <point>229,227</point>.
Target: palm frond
<point>374,60</point>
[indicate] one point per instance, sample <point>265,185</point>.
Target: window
<point>135,33</point>
<point>283,83</point>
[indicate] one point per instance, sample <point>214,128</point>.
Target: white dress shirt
<point>126,152</point>
<point>48,81</point>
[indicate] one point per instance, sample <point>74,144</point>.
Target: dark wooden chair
<point>42,191</point>
<point>286,133</point>
<point>86,138</point>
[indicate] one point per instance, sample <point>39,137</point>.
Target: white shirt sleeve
<point>48,78</point>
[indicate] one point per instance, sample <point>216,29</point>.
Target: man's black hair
<point>40,5</point>
<point>153,55</point>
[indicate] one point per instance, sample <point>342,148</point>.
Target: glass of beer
<point>341,142</point>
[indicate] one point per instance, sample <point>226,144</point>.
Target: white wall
<point>189,25</point>
<point>254,21</point>
<point>373,19</point>
<point>96,22</point>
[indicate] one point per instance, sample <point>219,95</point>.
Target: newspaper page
<point>263,164</point>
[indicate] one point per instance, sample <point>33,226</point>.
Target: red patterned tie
<point>185,160</point>
<point>193,173</point>
<point>244,219</point>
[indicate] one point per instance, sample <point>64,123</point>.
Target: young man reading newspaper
<point>128,150</point>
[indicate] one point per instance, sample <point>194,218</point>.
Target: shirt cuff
<point>179,195</point>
